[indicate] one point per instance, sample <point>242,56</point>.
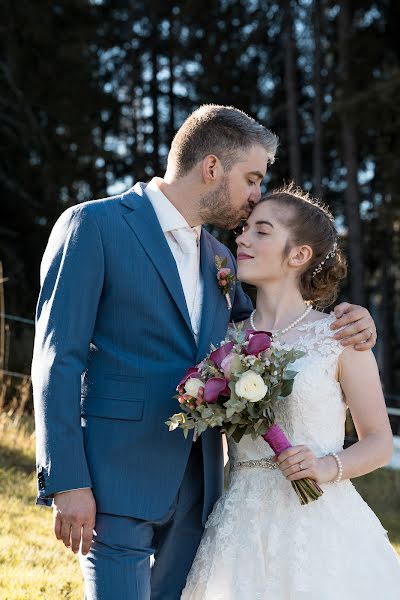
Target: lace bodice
<point>260,542</point>
<point>314,414</point>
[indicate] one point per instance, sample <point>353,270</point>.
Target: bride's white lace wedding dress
<point>260,543</point>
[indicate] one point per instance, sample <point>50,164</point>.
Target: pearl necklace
<point>286,329</point>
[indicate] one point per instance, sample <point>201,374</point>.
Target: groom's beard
<point>216,208</point>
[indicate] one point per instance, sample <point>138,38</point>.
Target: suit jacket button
<point>41,480</point>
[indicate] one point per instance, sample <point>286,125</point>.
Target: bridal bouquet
<point>236,388</point>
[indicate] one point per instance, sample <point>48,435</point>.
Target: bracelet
<point>339,466</point>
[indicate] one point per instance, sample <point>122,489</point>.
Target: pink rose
<point>226,365</point>
<point>223,273</point>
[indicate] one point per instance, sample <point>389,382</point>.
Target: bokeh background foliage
<point>92,92</point>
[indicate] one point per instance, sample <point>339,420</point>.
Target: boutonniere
<point>224,277</point>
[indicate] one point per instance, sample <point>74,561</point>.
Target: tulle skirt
<point>261,544</point>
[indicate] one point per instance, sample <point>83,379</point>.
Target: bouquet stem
<point>307,490</point>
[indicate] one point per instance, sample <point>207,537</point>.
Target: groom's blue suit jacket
<point>113,339</point>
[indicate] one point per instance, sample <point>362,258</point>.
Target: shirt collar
<point>168,216</point>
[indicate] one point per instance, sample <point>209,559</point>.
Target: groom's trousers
<point>118,564</point>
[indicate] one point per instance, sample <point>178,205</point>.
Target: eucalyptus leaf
<point>201,426</point>
<point>230,411</point>
<point>287,388</point>
<point>238,434</point>
<point>231,429</point>
<point>289,374</point>
<point>207,412</point>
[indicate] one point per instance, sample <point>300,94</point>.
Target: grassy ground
<point>34,566</point>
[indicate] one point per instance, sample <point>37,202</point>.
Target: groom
<point>129,300</point>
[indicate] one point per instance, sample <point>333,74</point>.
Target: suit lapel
<point>144,223</point>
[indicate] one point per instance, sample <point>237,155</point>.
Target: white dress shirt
<point>171,220</point>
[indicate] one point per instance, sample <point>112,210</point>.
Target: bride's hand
<point>299,462</point>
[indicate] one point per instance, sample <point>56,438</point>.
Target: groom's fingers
<point>66,533</point>
<point>57,524</point>
<point>76,530</point>
<point>346,313</point>
<point>75,515</point>
<point>354,328</point>
<point>87,537</point>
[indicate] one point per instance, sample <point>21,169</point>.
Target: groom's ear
<point>211,168</point>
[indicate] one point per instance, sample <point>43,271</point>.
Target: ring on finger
<point>300,467</point>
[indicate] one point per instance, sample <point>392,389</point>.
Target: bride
<point>260,543</point>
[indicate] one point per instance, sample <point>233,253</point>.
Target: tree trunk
<point>387,293</point>
<point>317,145</point>
<point>291,95</point>
<point>349,150</point>
<point>171,124</point>
<point>154,98</point>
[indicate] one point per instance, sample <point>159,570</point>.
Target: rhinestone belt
<point>265,463</point>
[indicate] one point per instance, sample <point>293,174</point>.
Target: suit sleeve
<point>242,305</point>
<point>72,273</point>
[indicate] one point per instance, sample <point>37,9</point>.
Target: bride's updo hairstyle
<point>310,222</point>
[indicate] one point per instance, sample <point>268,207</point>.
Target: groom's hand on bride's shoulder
<point>74,515</point>
<point>358,326</point>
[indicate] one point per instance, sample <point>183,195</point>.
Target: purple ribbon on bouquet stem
<point>306,489</point>
<point>277,439</point>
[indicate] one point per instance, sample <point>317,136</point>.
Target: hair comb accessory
<point>330,254</point>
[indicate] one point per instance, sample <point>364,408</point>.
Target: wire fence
<point>392,400</point>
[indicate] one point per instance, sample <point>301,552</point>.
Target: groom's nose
<point>255,196</point>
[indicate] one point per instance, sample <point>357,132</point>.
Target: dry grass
<point>34,566</point>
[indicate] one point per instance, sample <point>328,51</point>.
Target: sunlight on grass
<point>381,490</point>
<point>34,566</point>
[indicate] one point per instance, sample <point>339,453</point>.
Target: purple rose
<point>215,387</point>
<point>258,342</point>
<point>218,355</point>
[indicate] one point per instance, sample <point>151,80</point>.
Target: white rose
<point>251,386</point>
<point>192,386</point>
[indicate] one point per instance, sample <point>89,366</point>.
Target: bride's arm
<point>360,382</point>
<point>359,379</point>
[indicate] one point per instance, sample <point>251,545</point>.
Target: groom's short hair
<point>224,131</point>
